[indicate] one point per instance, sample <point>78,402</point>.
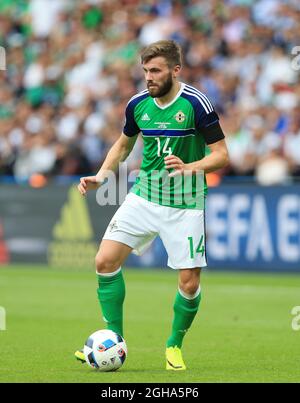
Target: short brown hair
<point>168,49</point>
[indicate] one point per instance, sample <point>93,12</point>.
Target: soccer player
<point>176,121</point>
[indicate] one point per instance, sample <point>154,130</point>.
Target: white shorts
<point>138,222</point>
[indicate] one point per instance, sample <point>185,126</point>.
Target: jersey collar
<point>182,85</point>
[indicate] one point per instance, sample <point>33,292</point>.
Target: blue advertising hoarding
<point>248,228</point>
<point>254,227</point>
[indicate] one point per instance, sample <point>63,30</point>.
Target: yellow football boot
<point>174,359</point>
<point>80,356</point>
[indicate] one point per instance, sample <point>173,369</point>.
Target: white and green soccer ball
<point>105,350</point>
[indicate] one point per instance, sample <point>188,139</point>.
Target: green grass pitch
<point>242,333</point>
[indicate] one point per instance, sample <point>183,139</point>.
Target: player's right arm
<point>118,153</point>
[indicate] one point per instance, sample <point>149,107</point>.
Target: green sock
<point>184,312</point>
<point>111,295</point>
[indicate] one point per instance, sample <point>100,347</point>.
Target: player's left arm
<point>218,158</point>
<point>208,125</point>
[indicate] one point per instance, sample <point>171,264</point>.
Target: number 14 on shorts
<point>193,249</point>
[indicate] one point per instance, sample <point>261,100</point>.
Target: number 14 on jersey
<point>163,149</point>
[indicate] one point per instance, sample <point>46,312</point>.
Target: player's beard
<point>161,90</point>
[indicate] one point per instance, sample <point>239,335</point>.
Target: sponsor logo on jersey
<point>145,117</point>
<point>162,125</point>
<point>180,117</point>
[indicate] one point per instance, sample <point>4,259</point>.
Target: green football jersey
<point>174,129</point>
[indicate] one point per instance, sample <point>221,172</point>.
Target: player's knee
<point>189,287</point>
<point>104,264</point>
<point>189,281</point>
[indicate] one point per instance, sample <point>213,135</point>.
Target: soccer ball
<point>105,350</point>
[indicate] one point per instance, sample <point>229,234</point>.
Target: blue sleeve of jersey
<point>130,126</point>
<point>207,122</point>
<point>204,117</point>
<point>204,112</point>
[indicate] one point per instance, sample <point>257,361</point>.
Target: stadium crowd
<point>73,65</point>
